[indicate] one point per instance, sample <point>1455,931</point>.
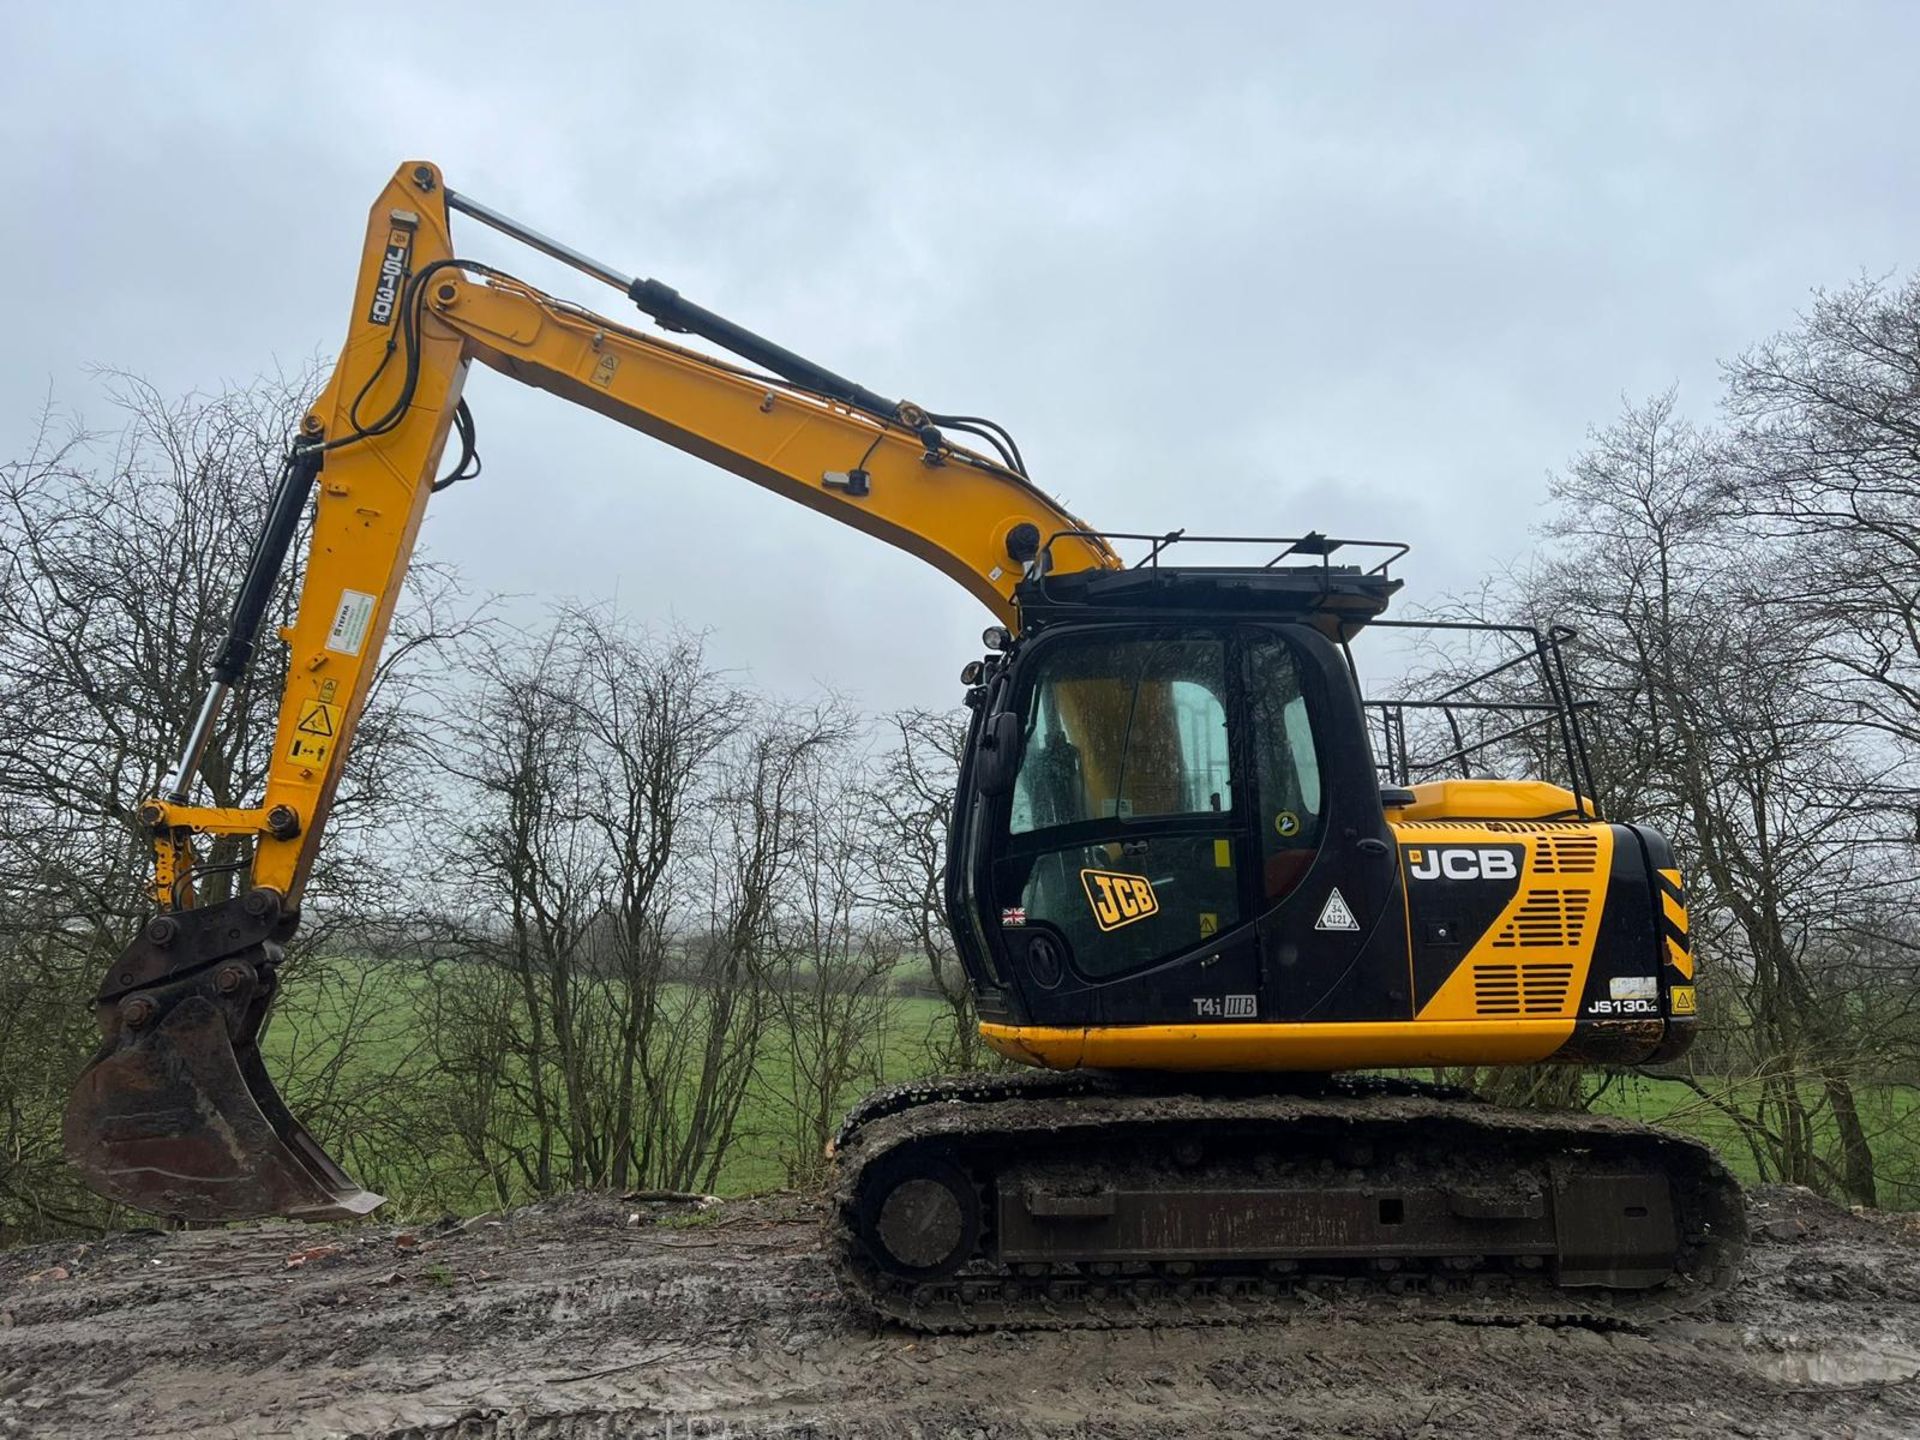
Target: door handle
<point>1368,845</point>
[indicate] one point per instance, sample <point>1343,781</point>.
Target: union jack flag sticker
<point>1014,915</point>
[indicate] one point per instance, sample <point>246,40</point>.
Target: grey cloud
<point>1232,267</point>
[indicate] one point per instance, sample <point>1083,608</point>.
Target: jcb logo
<point>1462,863</point>
<point>1118,899</point>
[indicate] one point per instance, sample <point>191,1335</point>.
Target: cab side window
<point>1286,766</point>
<point>1126,730</point>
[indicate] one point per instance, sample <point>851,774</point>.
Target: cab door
<point>1120,863</point>
<point>1332,921</point>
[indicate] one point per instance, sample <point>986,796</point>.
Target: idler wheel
<point>920,1221</point>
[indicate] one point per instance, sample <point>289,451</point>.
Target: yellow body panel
<point>1280,1046</point>
<point>1532,958</point>
<point>1541,943</point>
<point>1489,800</point>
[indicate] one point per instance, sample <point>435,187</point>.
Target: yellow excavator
<point>1191,897</point>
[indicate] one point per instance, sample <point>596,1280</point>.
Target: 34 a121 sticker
<point>1336,914</point>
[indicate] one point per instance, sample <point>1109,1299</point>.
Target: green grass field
<point>391,1010</point>
<point>385,1007</point>
<point>1890,1115</point>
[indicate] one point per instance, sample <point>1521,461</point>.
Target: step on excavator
<point>1195,903</point>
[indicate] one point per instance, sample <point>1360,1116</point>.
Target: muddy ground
<point>573,1319</point>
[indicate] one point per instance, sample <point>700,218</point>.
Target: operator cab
<point>1169,811</point>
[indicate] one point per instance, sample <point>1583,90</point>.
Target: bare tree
<point>1827,416</point>
<point>575,760</point>
<point>912,799</point>
<point>756,824</point>
<point>119,555</point>
<point>829,990</point>
<point>1724,731</point>
<point>654,718</point>
<point>514,751</point>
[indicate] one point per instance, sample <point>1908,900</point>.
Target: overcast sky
<point>1266,268</point>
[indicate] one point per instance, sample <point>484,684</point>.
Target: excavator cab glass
<point>1168,794</point>
<point>1122,820</point>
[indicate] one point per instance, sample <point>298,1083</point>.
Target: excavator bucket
<point>175,1114</point>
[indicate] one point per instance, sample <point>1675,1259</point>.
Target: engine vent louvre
<point>1521,989</point>
<point>1566,854</point>
<point>1547,919</point>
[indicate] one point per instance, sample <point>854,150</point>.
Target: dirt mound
<point>590,1317</point>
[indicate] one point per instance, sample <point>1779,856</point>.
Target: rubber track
<point>1040,1112</point>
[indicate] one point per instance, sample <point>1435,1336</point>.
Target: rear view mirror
<point>998,759</point>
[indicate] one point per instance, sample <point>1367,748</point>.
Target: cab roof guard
<point>1313,543</point>
<point>1461,715</point>
<point>1337,599</point>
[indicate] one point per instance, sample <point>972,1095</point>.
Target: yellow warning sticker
<point>318,718</point>
<point>1680,1000</point>
<point>1223,854</point>
<point>314,732</point>
<point>1209,924</point>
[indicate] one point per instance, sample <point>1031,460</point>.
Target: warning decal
<point>1335,914</point>
<point>318,718</point>
<point>314,732</point>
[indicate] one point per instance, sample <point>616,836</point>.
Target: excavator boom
<point>176,1113</point>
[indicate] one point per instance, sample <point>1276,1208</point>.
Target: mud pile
<point>592,1317</point>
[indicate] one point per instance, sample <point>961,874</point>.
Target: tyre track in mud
<point>572,1319</point>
